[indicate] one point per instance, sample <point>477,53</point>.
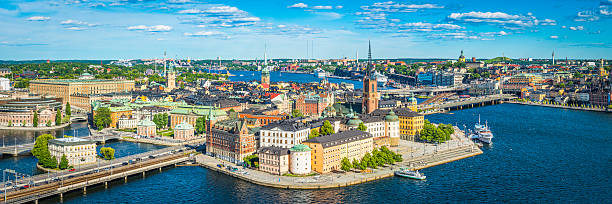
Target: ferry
<point>320,73</point>
<point>482,132</point>
<point>404,172</point>
<point>380,79</point>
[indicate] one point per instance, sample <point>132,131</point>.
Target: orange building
<point>328,151</point>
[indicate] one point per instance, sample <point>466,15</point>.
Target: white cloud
<point>603,10</point>
<point>203,33</point>
<point>504,19</point>
<point>554,37</point>
<point>38,18</point>
<point>339,7</point>
<point>576,28</point>
<point>330,15</point>
<point>76,28</point>
<point>422,25</point>
<point>179,1</point>
<point>491,34</point>
<point>219,10</point>
<point>586,16</point>
<point>155,28</point>
<point>322,7</point>
<point>391,6</point>
<point>298,5</point>
<point>76,22</point>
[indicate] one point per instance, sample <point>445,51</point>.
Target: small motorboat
<point>404,172</point>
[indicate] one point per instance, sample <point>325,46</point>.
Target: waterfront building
<point>461,57</point>
<point>286,134</point>
<point>65,88</point>
<point>274,160</point>
<point>20,111</point>
<point>410,123</point>
<point>265,78</point>
<point>329,150</point>
<point>230,140</point>
<point>484,87</point>
<point>78,151</point>
<point>392,129</point>
<point>5,84</point>
<point>518,82</point>
<point>146,128</point>
<point>184,131</point>
<point>300,162</point>
<point>370,87</point>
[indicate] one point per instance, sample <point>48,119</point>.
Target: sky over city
<point>243,29</point>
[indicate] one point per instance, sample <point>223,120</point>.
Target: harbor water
<point>539,155</point>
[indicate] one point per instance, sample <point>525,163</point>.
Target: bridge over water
<point>43,185</point>
<point>19,149</point>
<point>469,102</point>
<point>423,91</point>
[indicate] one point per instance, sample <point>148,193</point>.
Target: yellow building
<point>65,88</point>
<point>116,113</point>
<point>411,123</point>
<point>328,151</point>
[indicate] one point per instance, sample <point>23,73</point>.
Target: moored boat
<point>404,172</point>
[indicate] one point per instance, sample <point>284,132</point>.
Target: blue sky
<point>240,29</point>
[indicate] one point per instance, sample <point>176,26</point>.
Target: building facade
<point>65,88</point>
<point>78,151</point>
<point>299,157</point>
<point>274,160</point>
<point>146,128</point>
<point>184,131</point>
<point>285,134</point>
<point>329,150</point>
<point>20,112</point>
<point>230,140</point>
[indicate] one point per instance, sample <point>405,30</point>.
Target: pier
<point>46,186</point>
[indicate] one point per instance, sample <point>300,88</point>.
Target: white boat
<point>482,132</point>
<point>320,73</point>
<point>381,79</point>
<point>405,172</point>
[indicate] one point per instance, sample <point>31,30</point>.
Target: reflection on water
<point>12,137</point>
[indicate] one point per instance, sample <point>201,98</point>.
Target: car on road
<point>72,169</point>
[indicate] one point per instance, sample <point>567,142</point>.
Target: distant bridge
<point>470,102</point>
<point>424,91</point>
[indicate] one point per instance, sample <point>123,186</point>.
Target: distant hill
<point>498,59</point>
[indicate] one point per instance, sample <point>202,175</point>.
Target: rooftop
<point>339,138</point>
<point>71,141</point>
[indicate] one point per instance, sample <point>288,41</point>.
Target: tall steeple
<point>553,57</point>
<point>369,58</point>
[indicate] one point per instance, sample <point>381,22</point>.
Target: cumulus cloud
<point>322,7</point>
<point>298,5</point>
<point>154,28</point>
<point>500,18</point>
<point>586,16</point>
<point>554,37</point>
<point>179,1</point>
<point>38,18</point>
<point>76,22</point>
<point>456,35</point>
<point>391,7</point>
<point>421,26</point>
<point>215,10</point>
<point>576,28</point>
<point>491,34</point>
<point>203,33</point>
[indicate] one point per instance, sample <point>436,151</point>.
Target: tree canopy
<point>327,128</point>
<point>102,119</point>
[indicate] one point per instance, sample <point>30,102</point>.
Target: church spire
<point>369,58</point>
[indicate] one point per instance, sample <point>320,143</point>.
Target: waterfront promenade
<point>416,156</point>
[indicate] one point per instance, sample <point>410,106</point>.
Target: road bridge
<point>19,149</point>
<point>46,186</point>
<point>469,102</point>
<point>405,92</point>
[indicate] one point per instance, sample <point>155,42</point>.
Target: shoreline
<point>36,128</point>
<point>336,180</point>
<point>563,107</point>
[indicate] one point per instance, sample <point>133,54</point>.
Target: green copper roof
<point>391,117</point>
<point>146,123</point>
<point>300,148</point>
<point>354,121</point>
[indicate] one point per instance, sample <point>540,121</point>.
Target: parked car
<point>72,169</point>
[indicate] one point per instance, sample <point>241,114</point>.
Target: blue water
<point>540,155</point>
<point>277,76</point>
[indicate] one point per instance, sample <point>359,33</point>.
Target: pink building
<point>184,131</point>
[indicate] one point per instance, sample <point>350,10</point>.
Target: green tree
<point>102,118</point>
<point>48,123</point>
<point>346,164</point>
<point>200,126</point>
<point>58,117</point>
<point>362,127</point>
<point>313,133</point>
<point>68,110</point>
<point>51,162</point>
<point>10,123</point>
<point>108,153</point>
<point>296,113</point>
<point>40,148</point>
<point>252,161</point>
<point>160,120</point>
<point>63,162</point>
<point>35,119</point>
<point>327,128</point>
<point>356,164</point>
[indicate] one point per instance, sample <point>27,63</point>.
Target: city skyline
<point>133,29</point>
